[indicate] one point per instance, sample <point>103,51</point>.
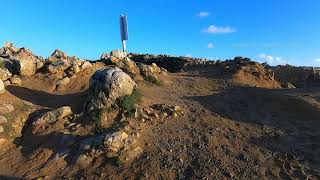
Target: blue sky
<point>277,31</point>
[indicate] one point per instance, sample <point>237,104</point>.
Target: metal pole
<point>124,46</point>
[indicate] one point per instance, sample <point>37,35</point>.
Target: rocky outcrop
<point>121,60</point>
<point>21,59</point>
<point>171,63</point>
<point>150,72</point>
<point>106,86</point>
<point>297,76</point>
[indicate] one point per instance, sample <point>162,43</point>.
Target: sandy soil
<point>229,131</point>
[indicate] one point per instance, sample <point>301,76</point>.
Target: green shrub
<point>153,80</point>
<point>2,65</point>
<point>128,103</point>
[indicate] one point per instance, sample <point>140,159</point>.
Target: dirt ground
<point>228,131</point>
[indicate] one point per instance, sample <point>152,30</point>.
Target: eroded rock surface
<point>106,86</point>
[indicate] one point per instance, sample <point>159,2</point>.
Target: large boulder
<point>28,63</point>
<point>106,86</point>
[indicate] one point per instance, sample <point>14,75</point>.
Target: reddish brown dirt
<point>229,130</point>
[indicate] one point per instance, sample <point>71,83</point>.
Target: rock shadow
<point>296,118</point>
<point>75,101</point>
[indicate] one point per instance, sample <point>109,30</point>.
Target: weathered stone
<point>106,86</point>
<point>59,54</point>
<point>40,63</point>
<point>4,74</point>
<point>27,61</point>
<point>63,82</point>
<point>7,83</point>
<point>58,66</point>
<point>75,68</point>
<point>11,47</point>
<point>2,88</point>
<point>53,116</point>
<point>3,120</point>
<point>118,54</point>
<point>120,59</point>
<point>115,141</point>
<point>1,129</point>
<point>6,108</point>
<point>86,65</point>
<point>15,80</point>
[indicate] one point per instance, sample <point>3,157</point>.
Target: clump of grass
<point>128,103</point>
<point>2,65</point>
<point>153,80</point>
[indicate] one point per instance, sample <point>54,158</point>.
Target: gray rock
<point>106,86</point>
<point>3,120</point>
<point>53,116</point>
<point>2,88</point>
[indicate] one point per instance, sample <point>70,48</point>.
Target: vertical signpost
<point>124,31</point>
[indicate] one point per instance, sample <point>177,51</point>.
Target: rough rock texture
<point>115,141</point>
<point>21,60</point>
<point>171,63</point>
<point>106,86</point>
<point>53,116</point>
<point>60,62</point>
<point>121,60</point>
<point>4,74</point>
<point>2,88</point>
<point>297,76</point>
<point>28,63</point>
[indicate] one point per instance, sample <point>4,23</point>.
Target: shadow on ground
<point>75,101</point>
<point>296,118</point>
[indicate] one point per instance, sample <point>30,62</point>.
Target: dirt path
<point>226,132</point>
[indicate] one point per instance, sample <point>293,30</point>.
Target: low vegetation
<point>128,103</point>
<point>2,65</point>
<point>153,80</point>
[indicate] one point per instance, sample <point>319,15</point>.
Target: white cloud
<point>210,45</point>
<point>212,29</point>
<point>317,60</point>
<point>273,60</point>
<point>203,14</point>
<point>188,55</point>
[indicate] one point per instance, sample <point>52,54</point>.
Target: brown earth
<point>231,128</point>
